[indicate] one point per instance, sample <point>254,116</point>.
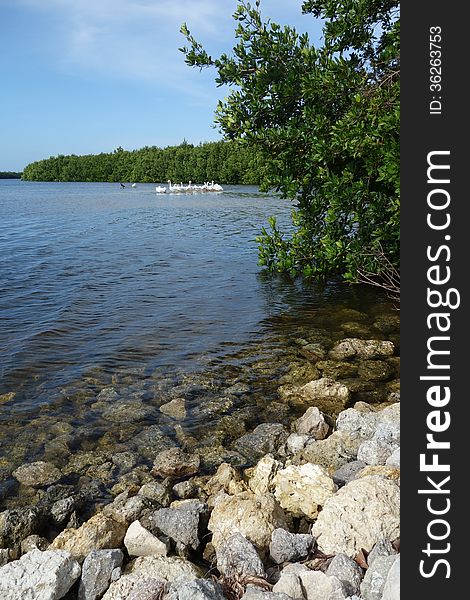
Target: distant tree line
<point>222,161</point>
<point>9,175</point>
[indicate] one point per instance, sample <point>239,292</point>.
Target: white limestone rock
<point>160,568</point>
<point>312,423</point>
<point>140,542</point>
<point>254,516</point>
<point>39,576</point>
<point>358,515</point>
<point>302,489</point>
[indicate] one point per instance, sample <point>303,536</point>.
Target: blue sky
<point>87,76</point>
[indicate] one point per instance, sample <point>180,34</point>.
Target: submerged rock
<point>175,463</point>
<point>325,393</point>
<point>355,347</point>
<point>264,439</point>
<point>176,409</point>
<point>38,474</point>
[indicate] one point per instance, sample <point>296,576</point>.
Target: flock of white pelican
<point>189,189</point>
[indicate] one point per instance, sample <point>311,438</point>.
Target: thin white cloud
<point>131,39</point>
<point>139,39</point>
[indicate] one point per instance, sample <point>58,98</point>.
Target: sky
<point>87,76</point>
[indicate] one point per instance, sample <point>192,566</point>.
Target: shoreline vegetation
<point>10,175</point>
<point>223,161</point>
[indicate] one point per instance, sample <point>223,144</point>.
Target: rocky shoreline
<point>303,510</point>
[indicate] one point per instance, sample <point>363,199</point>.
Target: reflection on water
<point>112,296</point>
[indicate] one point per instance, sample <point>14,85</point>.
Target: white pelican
<point>160,189</point>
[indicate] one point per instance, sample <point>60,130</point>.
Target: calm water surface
<point>105,286</point>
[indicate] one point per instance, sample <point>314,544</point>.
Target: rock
<point>186,489</point>
<point>265,439</point>
<point>160,568</point>
<point>289,584</point>
<point>374,580</point>
<point>184,522</point>
<point>159,492</point>
<point>125,509</point>
<point>17,524</point>
<point>176,409</point>
<point>358,515</point>
<point>348,472</point>
<point>391,589</point>
<point>97,571</point>
<point>4,398</point>
<point>107,394</point>
<point>147,589</point>
<point>128,411</point>
<point>175,463</point>
<point>337,369</point>
<point>53,573</point>
<point>376,451</point>
<point>329,395</point>
<point>62,509</point>
<point>140,542</point>
<point>34,542</point>
<point>5,556</point>
<point>347,571</point>
<point>356,423</point>
<point>381,548</point>
<point>296,442</point>
<point>289,547</point>
<point>125,461</point>
<point>198,589</point>
<point>331,453</point>
<point>97,533</point>
<point>152,440</point>
<point>375,370</point>
<point>256,593</point>
<point>301,490</point>
<point>296,568</point>
<point>382,470</point>
<point>394,459</point>
<point>318,586</point>
<point>227,479</point>
<point>312,423</point>
<point>262,475</point>
<point>37,474</point>
<point>355,347</point>
<point>254,516</point>
<point>236,556</point>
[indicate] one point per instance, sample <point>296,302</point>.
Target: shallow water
<point>148,298</point>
